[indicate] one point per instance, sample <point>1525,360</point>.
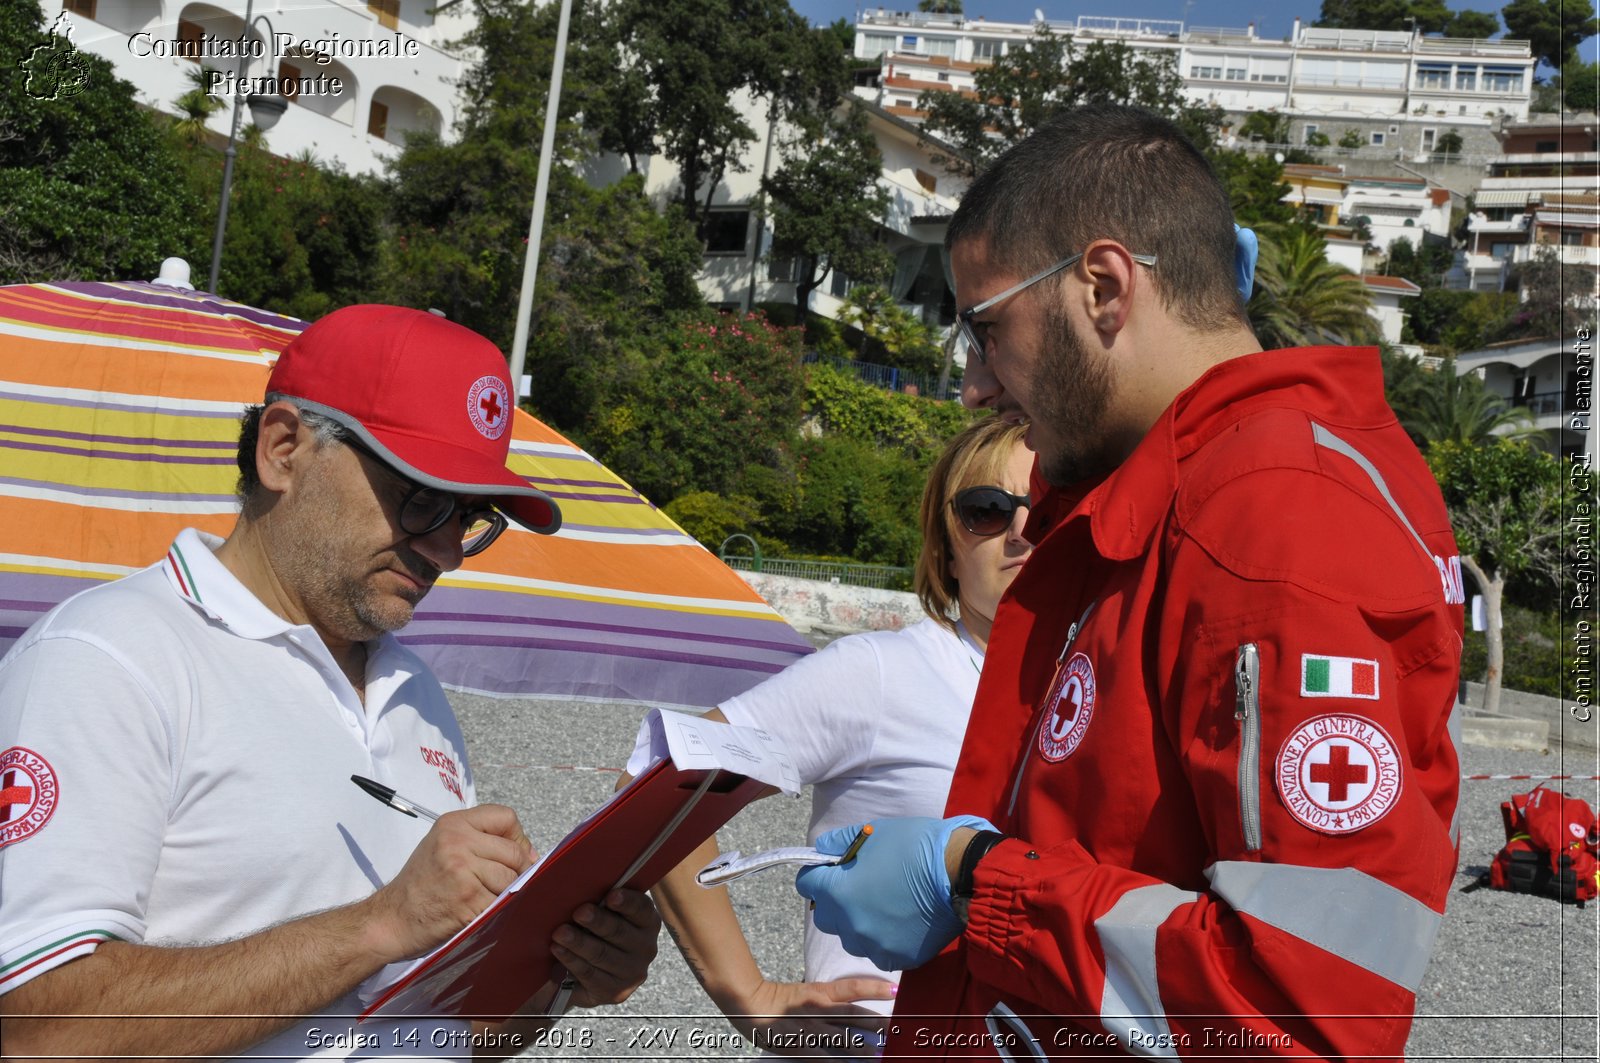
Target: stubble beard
<point>333,578</point>
<point>1072,390</point>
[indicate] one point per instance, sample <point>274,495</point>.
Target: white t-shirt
<point>874,723</point>
<point>176,769</point>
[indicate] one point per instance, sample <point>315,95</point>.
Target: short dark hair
<point>326,428</point>
<point>1111,172</point>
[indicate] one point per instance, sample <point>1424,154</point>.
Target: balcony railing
<point>890,378</point>
<point>1468,46</point>
<point>1540,405</point>
<point>883,577</point>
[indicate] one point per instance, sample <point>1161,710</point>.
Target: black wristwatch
<point>961,889</point>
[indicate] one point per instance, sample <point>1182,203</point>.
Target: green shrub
<point>910,424</point>
<point>711,517</point>
<point>855,500</point>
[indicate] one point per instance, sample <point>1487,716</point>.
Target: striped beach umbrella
<point>119,409</point>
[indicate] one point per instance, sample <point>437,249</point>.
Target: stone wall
<point>816,608</point>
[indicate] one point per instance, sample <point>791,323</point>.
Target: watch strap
<point>976,850</point>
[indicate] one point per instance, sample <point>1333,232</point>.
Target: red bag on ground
<point>1552,847</point>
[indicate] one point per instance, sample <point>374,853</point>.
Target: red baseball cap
<point>426,395</point>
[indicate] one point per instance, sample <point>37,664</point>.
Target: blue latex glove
<point>891,903</point>
<point>1244,261</point>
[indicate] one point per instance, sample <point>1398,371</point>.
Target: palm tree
<point>195,107</point>
<point>1459,408</point>
<point>1301,298</point>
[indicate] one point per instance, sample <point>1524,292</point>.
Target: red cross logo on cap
<point>489,406</point>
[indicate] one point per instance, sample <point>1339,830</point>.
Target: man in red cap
<point>181,847</point>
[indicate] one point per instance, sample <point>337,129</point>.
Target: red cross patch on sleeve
<point>28,794</point>
<point>1338,773</point>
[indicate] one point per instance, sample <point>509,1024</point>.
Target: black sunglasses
<point>987,510</point>
<point>424,510</point>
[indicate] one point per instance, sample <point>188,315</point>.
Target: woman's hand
<point>811,1018</point>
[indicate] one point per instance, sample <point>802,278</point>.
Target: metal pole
<point>228,156</point>
<point>761,214</point>
<point>530,265</point>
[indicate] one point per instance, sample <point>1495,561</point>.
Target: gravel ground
<point>1513,977</point>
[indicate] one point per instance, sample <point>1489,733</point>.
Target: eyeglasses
<point>987,510</point>
<point>424,510</point>
<point>976,333</point>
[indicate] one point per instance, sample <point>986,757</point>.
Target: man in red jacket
<point>1206,803</point>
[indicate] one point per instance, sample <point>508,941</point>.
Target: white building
<point>1541,377</point>
<point>1387,308</point>
<point>1404,89</point>
<point>739,271</point>
<point>1543,191</point>
<point>1398,209</point>
<point>366,71</point>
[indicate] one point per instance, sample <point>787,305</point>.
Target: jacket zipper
<point>1061,660</point>
<point>1247,710</point>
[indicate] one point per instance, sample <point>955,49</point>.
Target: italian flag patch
<point>1338,677</point>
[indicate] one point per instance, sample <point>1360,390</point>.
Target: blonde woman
<point>874,723</point>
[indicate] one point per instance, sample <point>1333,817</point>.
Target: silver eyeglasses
<point>976,333</point>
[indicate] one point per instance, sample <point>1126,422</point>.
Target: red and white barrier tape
<point>1580,778</point>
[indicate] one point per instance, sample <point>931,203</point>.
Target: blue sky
<point>1273,18</point>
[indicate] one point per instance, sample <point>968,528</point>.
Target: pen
<point>855,846</point>
<point>393,800</point>
<point>850,853</point>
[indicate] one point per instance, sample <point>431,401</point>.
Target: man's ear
<point>1113,277</point>
<point>282,445</point>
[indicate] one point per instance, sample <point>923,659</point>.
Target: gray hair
<point>326,430</point>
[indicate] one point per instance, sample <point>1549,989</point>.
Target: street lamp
<point>264,112</point>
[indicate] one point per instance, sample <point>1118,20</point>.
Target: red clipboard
<point>492,968</point>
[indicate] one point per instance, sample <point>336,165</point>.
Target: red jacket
<point>1216,718</point>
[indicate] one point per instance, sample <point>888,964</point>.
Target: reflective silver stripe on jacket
<point>1454,727</point>
<point>1340,910</point>
<point>1131,1009</point>
<point>1327,439</point>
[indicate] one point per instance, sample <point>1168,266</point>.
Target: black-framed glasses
<point>424,510</point>
<point>987,510</point>
<point>976,333</point>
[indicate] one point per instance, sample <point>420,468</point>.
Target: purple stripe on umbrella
<point>507,642</point>
<point>152,441</point>
<point>201,303</point>
<point>615,629</point>
<point>115,492</point>
<point>574,496</point>
<point>478,603</point>
<point>611,484</point>
<point>12,633</point>
<point>127,407</point>
<point>80,452</point>
<point>623,530</point>
<point>26,606</point>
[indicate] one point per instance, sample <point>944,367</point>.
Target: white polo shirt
<point>873,723</point>
<point>175,765</point>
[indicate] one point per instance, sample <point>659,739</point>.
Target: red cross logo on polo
<point>489,406</point>
<point>1071,705</point>
<point>28,794</point>
<point>1337,774</point>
